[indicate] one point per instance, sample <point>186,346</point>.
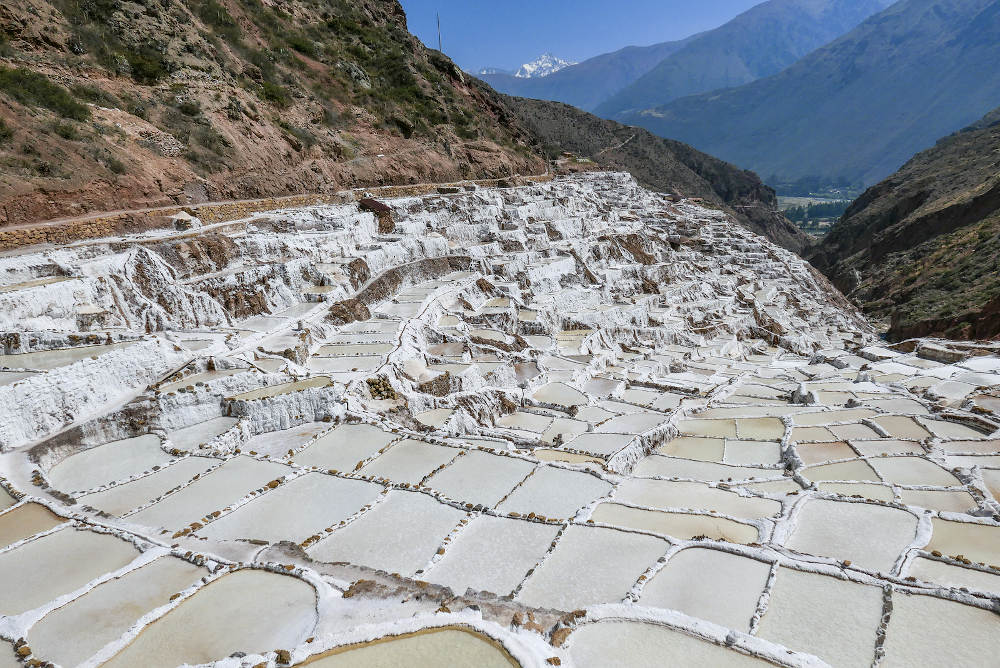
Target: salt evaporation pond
<point>55,564</point>
<point>246,611</point>
<point>296,510</point>
<point>476,560</point>
<point>425,649</point>
<point>615,446</point>
<point>869,536</point>
<point>109,462</point>
<point>621,644</point>
<point>714,585</point>
<point>614,561</point>
<point>76,631</point>
<point>120,499</point>
<point>24,521</point>
<point>413,523</point>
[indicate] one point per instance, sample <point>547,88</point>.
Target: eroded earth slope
<point>571,423</point>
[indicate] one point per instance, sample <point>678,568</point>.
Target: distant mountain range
<point>922,247</point>
<point>587,84</point>
<point>759,42</point>
<point>538,68</point>
<point>857,108</point>
<point>542,66</point>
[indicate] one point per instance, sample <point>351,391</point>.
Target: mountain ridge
<point>759,42</point>
<point>858,107</point>
<point>922,247</point>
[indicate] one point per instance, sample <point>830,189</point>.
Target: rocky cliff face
<point>922,248</point>
<point>115,104</point>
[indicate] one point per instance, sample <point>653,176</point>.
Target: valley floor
<point>571,423</point>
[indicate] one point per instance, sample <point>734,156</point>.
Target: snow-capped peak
<point>542,66</point>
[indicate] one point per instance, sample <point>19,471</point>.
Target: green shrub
<point>35,90</point>
<point>96,95</point>
<point>5,132</point>
<point>66,131</point>
<point>274,93</point>
<point>216,16</point>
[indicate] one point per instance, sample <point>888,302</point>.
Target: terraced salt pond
<point>426,649</point>
<point>563,453</point>
<point>226,617</point>
<point>45,360</point>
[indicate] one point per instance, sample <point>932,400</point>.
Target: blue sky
<point>506,33</point>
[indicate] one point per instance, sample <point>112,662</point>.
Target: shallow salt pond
<point>618,644</point>
<point>554,493</point>
<point>296,510</point>
<point>714,428</point>
<point>409,461</point>
<point>821,418</point>
<point>868,491</point>
<point>549,455</point>
<point>11,377</point>
<point>614,561</point>
<point>566,428</point>
<point>901,427</point>
<point>978,542</point>
<point>53,565</point>
<point>599,444</point>
<point>117,460</point>
<point>870,536</point>
<point>429,648</point>
<point>927,631</point>
<point>525,421</point>
<point>203,377</point>
<point>354,349</point>
<point>226,484</point>
<point>344,364</point>
<point>278,443</point>
<point>52,359</point>
<point>700,448</point>
<point>272,391</point>
<point>912,471</point>
<point>834,619</point>
<point>6,500</point>
<point>414,524</point>
<point>480,478</point>
<point>478,560</point>
<point>658,465</point>
<point>711,584</point>
<point>940,500</point>
<point>247,611</point>
<point>189,438</point>
<point>679,525</point>
<point>857,470</point>
<point>120,499</point>
<point>74,632</point>
<point>887,446</point>
<point>931,570</point>
<point>815,453</point>
<point>752,452</point>
<point>560,394</point>
<point>345,447</point>
<point>665,494</point>
<point>435,417</point>
<point>760,429</point>
<point>24,521</point>
<point>634,423</point>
